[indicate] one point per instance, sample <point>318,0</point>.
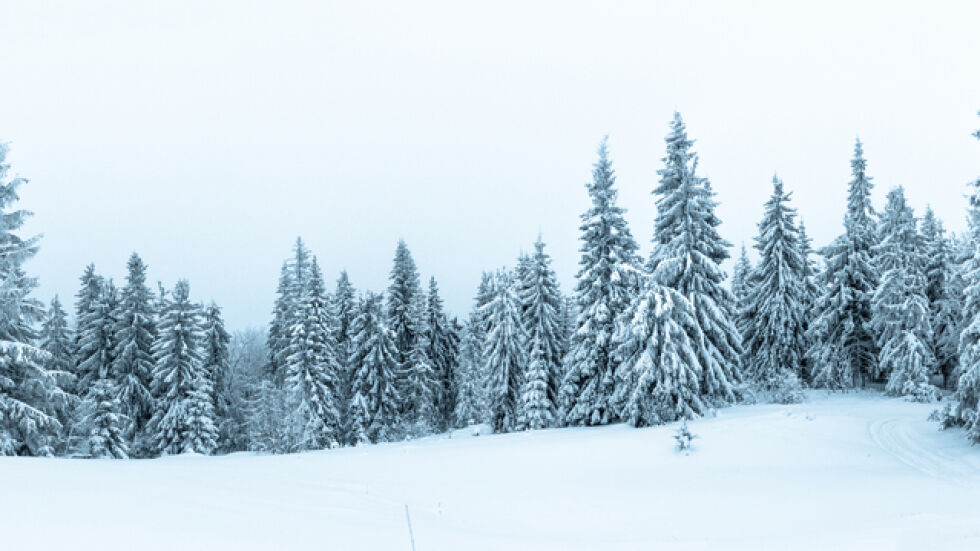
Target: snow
<point>851,471</point>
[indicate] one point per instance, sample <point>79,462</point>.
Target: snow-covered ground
<point>855,471</point>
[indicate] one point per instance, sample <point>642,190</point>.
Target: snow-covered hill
<point>854,471</point>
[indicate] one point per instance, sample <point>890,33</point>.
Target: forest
<point>140,370</point>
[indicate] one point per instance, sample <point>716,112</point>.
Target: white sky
<point>208,135</point>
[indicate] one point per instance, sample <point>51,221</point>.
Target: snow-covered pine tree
<point>97,339</point>
<point>900,307</point>
<point>740,276</point>
<point>278,337</point>
<point>687,257</point>
<point>844,349</point>
<point>404,286</point>
<point>344,309</point>
<point>421,381</point>
<point>536,408</point>
<point>132,364</point>
<point>657,342</point>
<point>374,406</point>
<point>505,355</point>
<point>217,366</point>
<point>105,425</point>
<point>943,308</point>
<point>541,302</point>
<point>469,378</point>
<point>183,416</point>
<point>811,295</point>
<point>965,410</point>
<point>443,351</point>
<point>56,339</point>
<point>773,313</point>
<point>31,395</point>
<point>606,285</point>
<point>312,368</point>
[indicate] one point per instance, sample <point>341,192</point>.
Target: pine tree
<point>217,368</point>
<point>278,336</point>
<point>374,406</point>
<point>312,368</point>
<point>183,418</point>
<point>844,350</point>
<point>30,394</point>
<point>811,296</point>
<point>421,381</point>
<point>965,411</point>
<point>505,356</point>
<point>469,378</point>
<point>900,307</point>
<point>604,289</point>
<point>134,332</point>
<point>943,307</point>
<point>405,286</point>
<point>740,277</point>
<point>105,425</point>
<point>97,338</point>
<point>658,343</point>
<point>687,257</point>
<point>56,339</point>
<point>443,351</point>
<point>542,305</point>
<point>773,310</point>
<point>344,311</point>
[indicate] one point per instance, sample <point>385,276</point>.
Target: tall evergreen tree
<point>104,423</point>
<point>774,315</point>
<point>217,367</point>
<point>687,257</point>
<point>443,351</point>
<point>469,378</point>
<point>658,343</point>
<point>278,335</point>
<point>345,310</point>
<point>183,417</point>
<point>844,350</point>
<point>97,338</point>
<point>943,307</point>
<point>421,381</point>
<point>405,286</point>
<point>740,276</point>
<point>374,406</point>
<point>134,332</point>
<point>312,369</point>
<point>30,394</point>
<point>505,356</point>
<point>56,339</point>
<point>542,305</point>
<point>604,289</point>
<point>900,307</point>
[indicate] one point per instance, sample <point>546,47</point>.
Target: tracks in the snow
<point>900,440</point>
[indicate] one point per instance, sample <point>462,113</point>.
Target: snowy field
<point>857,471</point>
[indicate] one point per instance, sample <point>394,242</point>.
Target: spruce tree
<point>811,296</point>
<point>421,381</point>
<point>134,332</point>
<point>374,406</point>
<point>344,311</point>
<point>405,286</point>
<point>183,416</point>
<point>505,356</point>
<point>312,368</point>
<point>536,408</point>
<point>658,343</point>
<point>56,339</point>
<point>542,305</point>
<point>604,289</point>
<point>277,340</point>
<point>97,338</point>
<point>469,378</point>
<point>30,394</point>
<point>943,307</point>
<point>687,256</point>
<point>900,307</point>
<point>217,368</point>
<point>844,349</point>
<point>104,423</point>
<point>774,315</point>
<point>443,351</point>
<point>740,277</point>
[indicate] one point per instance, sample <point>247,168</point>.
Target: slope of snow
<point>855,471</point>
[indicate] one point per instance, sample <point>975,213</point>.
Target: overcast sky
<point>208,135</point>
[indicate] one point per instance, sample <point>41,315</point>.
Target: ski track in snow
<point>903,442</point>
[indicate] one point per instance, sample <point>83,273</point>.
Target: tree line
<point>891,302</point>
